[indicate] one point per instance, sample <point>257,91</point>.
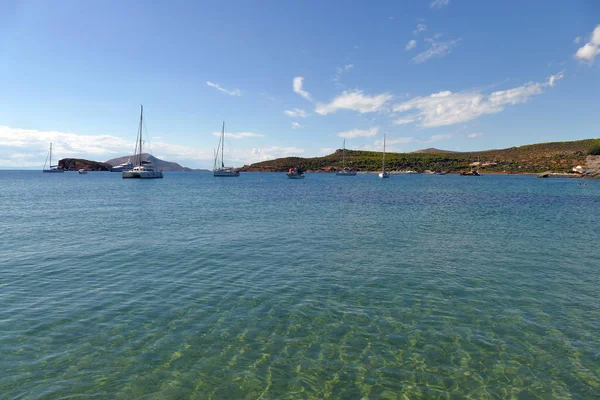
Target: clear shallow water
<point>265,287</point>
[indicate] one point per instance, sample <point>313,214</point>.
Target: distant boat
<point>52,168</point>
<point>383,173</point>
<point>82,171</point>
<point>295,173</point>
<point>345,170</point>
<point>122,167</point>
<point>223,171</point>
<point>143,169</point>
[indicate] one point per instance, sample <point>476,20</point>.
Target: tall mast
<point>50,155</point>
<point>384,152</point>
<point>222,144</point>
<point>140,134</point>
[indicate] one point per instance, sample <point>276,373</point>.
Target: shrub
<point>594,149</point>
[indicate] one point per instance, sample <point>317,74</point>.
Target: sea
<point>263,287</point>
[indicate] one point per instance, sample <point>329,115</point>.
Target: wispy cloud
<point>234,92</point>
<point>403,121</point>
<point>340,70</point>
<point>296,125</point>
<point>358,133</point>
<point>437,49</point>
<point>474,135</point>
<point>587,54</point>
<point>439,3</point>
<point>447,108</point>
<point>295,113</point>
<point>271,153</point>
<point>297,85</point>
<point>239,135</point>
<point>356,101</point>
<point>420,28</point>
<point>410,45</point>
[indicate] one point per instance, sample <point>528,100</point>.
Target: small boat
<point>295,173</point>
<point>143,169</point>
<point>82,171</point>
<point>345,170</point>
<point>223,171</point>
<point>52,168</point>
<point>470,173</point>
<point>383,174</point>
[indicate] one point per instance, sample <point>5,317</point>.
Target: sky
<point>293,78</point>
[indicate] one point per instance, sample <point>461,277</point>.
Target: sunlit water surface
<point>330,287</point>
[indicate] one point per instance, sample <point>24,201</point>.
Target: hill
<point>533,158</point>
<point>75,164</point>
<point>157,162</point>
<point>433,150</point>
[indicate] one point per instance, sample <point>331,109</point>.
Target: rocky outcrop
<point>75,164</point>
<point>592,167</point>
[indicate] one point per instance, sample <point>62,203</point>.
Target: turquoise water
<point>263,287</point>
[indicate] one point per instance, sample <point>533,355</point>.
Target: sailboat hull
<point>142,175</point>
<point>226,173</point>
<point>384,175</point>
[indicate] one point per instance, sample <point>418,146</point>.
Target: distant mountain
<point>533,158</point>
<point>157,162</point>
<point>433,150</point>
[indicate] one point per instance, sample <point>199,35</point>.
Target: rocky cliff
<point>593,167</point>
<point>75,164</point>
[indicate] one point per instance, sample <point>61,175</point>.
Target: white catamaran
<point>383,173</point>
<point>345,170</point>
<point>52,168</point>
<point>142,169</point>
<point>223,171</point>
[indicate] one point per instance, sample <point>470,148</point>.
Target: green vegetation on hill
<point>594,149</point>
<point>533,158</point>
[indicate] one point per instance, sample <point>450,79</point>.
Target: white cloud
<point>271,153</point>
<point>296,112</point>
<point>410,45</point>
<point>474,135</point>
<point>297,85</point>
<point>437,49</point>
<point>340,70</point>
<point>296,125</point>
<point>589,51</point>
<point>439,3</point>
<point>447,108</point>
<point>356,101</point>
<point>392,141</point>
<point>420,28</point>
<point>553,78</point>
<point>234,92</point>
<point>239,135</point>
<point>357,133</point>
<point>403,121</point>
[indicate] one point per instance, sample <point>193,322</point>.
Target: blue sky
<point>293,77</point>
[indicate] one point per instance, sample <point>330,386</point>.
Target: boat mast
<point>222,144</point>
<point>50,155</point>
<point>384,152</point>
<point>140,134</point>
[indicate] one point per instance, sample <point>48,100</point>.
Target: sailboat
<point>345,170</point>
<point>383,173</point>
<point>142,169</point>
<point>52,168</point>
<point>223,171</point>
